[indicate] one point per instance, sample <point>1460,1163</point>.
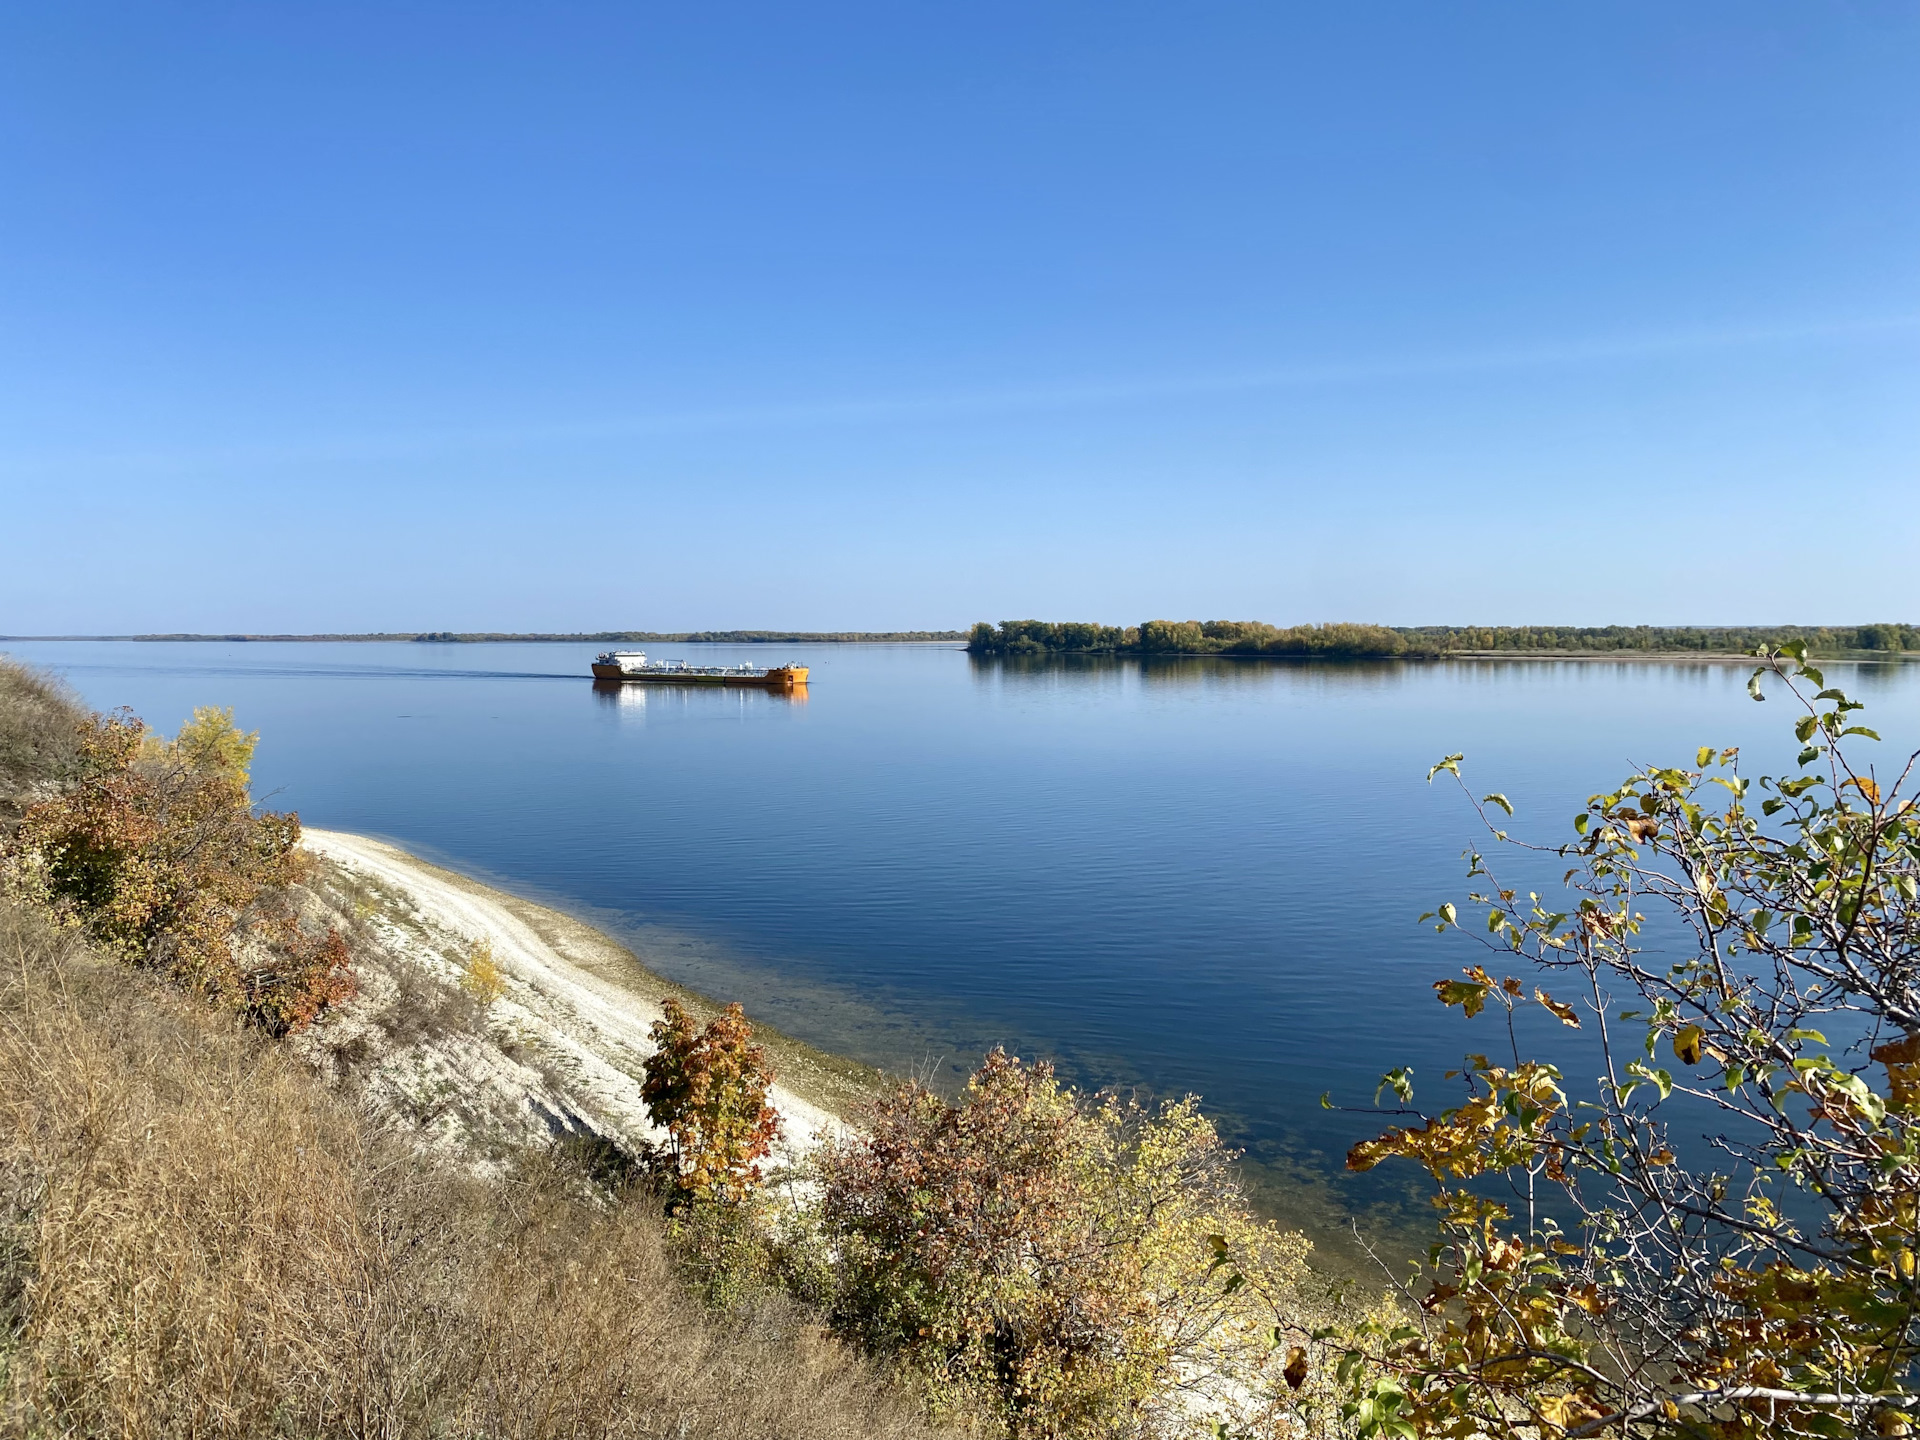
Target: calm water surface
<point>1192,876</point>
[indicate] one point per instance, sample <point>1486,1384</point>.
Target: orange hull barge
<point>631,667</point>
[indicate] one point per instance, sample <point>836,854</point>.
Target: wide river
<point>1186,876</point>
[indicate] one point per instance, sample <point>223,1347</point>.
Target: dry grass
<point>198,1238</point>
<point>39,731</point>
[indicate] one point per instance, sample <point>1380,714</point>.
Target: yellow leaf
<point>1686,1044</point>
<point>1565,1411</point>
<point>1564,1011</point>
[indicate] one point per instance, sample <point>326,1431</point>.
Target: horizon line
<point>789,636</point>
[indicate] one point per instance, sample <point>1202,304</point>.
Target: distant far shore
<point>599,637</point>
<point>1360,641</point>
<point>1683,657</point>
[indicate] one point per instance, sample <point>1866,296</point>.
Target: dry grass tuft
<point>39,734</point>
<point>197,1238</point>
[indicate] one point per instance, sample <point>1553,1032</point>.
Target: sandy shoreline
<point>576,1001</point>
<point>564,1047</point>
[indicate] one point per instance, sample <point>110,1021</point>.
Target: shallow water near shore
<point>1198,875</point>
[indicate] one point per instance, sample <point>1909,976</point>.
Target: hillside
<point>395,1223</point>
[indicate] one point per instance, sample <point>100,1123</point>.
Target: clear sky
<point>558,316</point>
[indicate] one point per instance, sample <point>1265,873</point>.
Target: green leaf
<point>1497,799</point>
<point>1661,1080</point>
<point>1810,754</point>
<point>1401,1082</point>
<point>1450,763</point>
<point>1856,1089</point>
<point>1803,728</point>
<point>1861,730</point>
<point>1447,912</point>
<point>1469,995</point>
<point>1753,687</point>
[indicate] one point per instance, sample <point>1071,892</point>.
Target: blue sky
<point>571,316</point>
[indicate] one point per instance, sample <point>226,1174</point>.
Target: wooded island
<point>1364,642</point>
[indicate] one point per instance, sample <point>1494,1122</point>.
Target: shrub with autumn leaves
<point>1076,1266</point>
<point>1069,1266</point>
<point>154,848</point>
<point>1731,1248</point>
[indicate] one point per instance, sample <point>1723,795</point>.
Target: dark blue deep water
<point>1191,876</point>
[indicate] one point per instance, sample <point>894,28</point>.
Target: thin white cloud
<point>1090,394</point>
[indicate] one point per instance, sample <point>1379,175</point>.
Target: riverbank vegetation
<point>1361,642</point>
<point>1051,1265</point>
<point>202,1236</point>
<point>1094,1268</point>
<point>1718,1237</point>
<point>218,1224</point>
<point>154,848</point>
<point>201,1239</point>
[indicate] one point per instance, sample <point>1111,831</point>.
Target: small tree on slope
<point>708,1090</point>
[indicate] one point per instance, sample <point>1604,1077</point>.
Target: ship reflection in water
<point>624,697</point>
<point>632,699</point>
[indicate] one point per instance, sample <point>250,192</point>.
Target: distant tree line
<point>1190,637</point>
<point>1357,641</point>
<point>1744,639</point>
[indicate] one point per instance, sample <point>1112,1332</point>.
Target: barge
<point>632,667</point>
